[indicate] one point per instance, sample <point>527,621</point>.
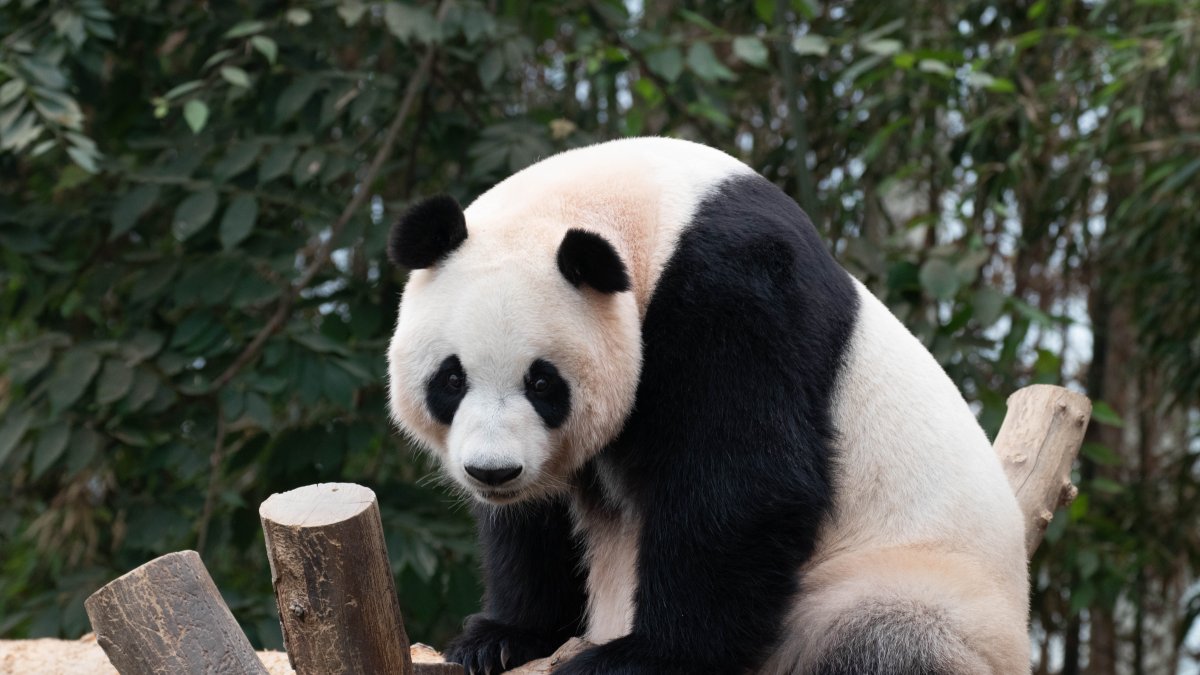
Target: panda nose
<point>494,476</point>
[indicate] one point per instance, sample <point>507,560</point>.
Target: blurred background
<point>195,301</point>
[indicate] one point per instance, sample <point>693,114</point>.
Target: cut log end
<point>317,505</point>
<point>333,582</point>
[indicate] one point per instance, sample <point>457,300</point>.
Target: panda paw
<point>488,647</point>
<point>629,655</point>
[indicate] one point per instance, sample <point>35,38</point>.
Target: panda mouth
<point>500,496</point>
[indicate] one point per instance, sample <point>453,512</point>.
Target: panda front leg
<point>718,568</point>
<point>535,591</point>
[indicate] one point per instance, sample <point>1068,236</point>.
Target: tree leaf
<point>883,47</point>
<point>195,112</point>
<point>183,89</point>
<point>936,67</point>
<point>751,50</point>
<point>266,46</point>
<point>131,207</point>
<point>1100,453</point>
<point>235,76</point>
<point>26,363</point>
<point>141,346</point>
<point>51,443</point>
<point>277,162</point>
<point>491,67</point>
<point>988,304</point>
<point>939,278</point>
<point>238,221</point>
<point>351,11</point>
<point>308,166</point>
<point>114,381</point>
<point>83,447</point>
<point>298,16</point>
<point>294,97</point>
<point>668,63</point>
<point>193,213</point>
<point>239,158</point>
<point>15,424</point>
<point>1104,414</point>
<point>11,90</point>
<point>245,28</point>
<point>217,58</point>
<point>810,45</point>
<point>703,61</point>
<point>71,377</point>
<point>81,157</point>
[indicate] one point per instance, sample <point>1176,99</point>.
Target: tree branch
<point>321,257</point>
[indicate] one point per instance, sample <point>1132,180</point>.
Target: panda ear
<point>427,232</point>
<point>587,258</point>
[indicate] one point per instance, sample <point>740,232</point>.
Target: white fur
<point>916,480</point>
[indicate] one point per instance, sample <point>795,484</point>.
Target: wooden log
<point>429,661</point>
<point>85,657</point>
<point>1037,444</point>
<point>168,617</point>
<point>570,649</point>
<point>329,565</point>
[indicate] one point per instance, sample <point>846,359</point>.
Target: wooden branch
<point>168,617</point>
<point>329,566</point>
<point>569,650</point>
<point>321,256</point>
<point>85,657</point>
<point>1037,444</point>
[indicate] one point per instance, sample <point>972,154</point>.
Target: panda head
<point>517,346</point>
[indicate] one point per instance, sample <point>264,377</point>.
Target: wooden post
<point>168,617</point>
<point>333,583</point>
<point>1037,444</point>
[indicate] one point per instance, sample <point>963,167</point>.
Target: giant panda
<point>692,437</point>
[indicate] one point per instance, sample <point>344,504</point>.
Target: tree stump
<point>168,617</point>
<point>333,582</point>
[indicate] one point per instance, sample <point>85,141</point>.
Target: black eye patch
<point>548,392</point>
<point>446,389</point>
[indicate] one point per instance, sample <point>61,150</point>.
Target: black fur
<point>535,587</point>
<point>727,453</point>
<point>429,231</point>
<point>441,394</point>
<point>587,258</point>
<point>554,403</point>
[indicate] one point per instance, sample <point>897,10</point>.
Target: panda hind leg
<point>898,637</point>
<point>905,611</point>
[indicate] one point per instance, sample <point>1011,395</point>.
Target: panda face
<point>510,372</point>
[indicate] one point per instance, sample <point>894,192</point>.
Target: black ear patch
<point>587,258</point>
<point>427,232</point>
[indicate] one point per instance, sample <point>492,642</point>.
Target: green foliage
<point>1009,182</point>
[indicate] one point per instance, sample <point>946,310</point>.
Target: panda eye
<point>454,382</point>
<point>548,392</point>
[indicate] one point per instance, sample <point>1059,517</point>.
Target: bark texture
<point>329,566</point>
<point>168,617</point>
